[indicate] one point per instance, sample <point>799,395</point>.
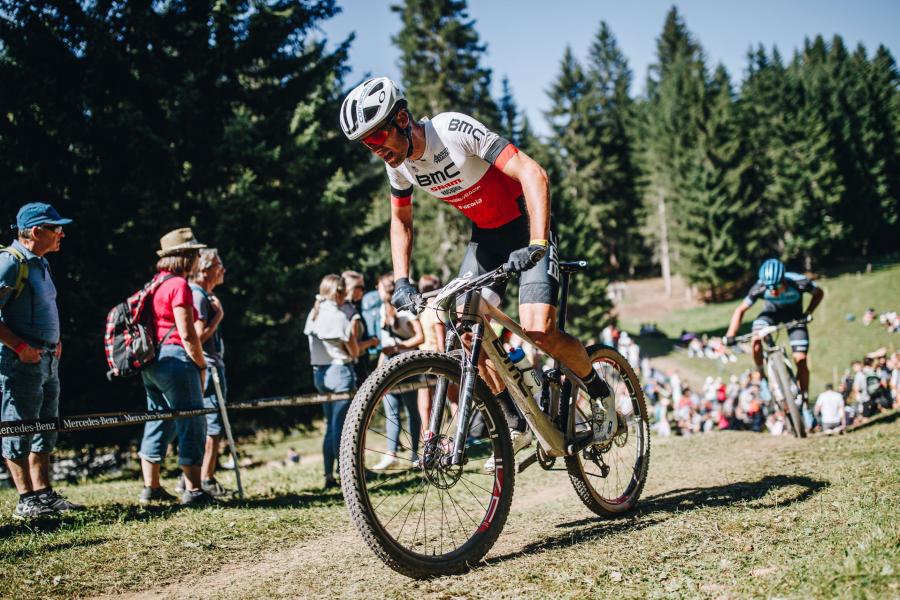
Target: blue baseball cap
<point>38,213</point>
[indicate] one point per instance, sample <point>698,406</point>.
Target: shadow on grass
<point>883,419</point>
<point>661,507</point>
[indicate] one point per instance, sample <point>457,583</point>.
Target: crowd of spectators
<point>744,402</point>
<point>890,320</point>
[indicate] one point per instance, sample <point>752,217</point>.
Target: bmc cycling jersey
<point>462,165</point>
<point>788,304</point>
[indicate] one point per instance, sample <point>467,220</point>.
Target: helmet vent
<point>377,87</point>
<point>370,112</point>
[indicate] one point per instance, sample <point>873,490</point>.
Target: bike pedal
<point>524,464</point>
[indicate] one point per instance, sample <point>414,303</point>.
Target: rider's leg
<point>802,372</point>
<point>495,383</point>
<point>539,322</point>
<point>758,356</point>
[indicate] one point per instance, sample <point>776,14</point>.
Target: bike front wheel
<point>610,477</point>
<point>790,397</point>
<point>420,514</point>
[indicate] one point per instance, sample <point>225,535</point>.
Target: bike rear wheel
<point>420,515</point>
<point>610,477</point>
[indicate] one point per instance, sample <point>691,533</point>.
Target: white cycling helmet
<point>368,106</point>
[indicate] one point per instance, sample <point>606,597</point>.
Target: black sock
<point>42,491</point>
<point>25,496</point>
<point>596,387</point>
<point>513,420</point>
<point>208,481</point>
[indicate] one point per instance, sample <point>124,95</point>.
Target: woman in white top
<point>332,349</point>
<point>401,332</point>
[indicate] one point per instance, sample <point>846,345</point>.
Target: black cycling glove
<point>405,296</point>
<point>524,258</point>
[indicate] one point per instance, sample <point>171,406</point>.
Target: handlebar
<point>460,286</point>
<point>768,330</point>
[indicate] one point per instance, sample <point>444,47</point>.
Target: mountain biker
<point>782,293</point>
<point>505,194</point>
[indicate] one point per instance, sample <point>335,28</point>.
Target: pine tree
<point>673,118</point>
<point>717,211</point>
<point>805,187</point>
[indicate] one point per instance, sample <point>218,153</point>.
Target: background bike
<point>780,373</point>
<point>439,510</point>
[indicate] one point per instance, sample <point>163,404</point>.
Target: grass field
<point>835,341</point>
<point>725,515</point>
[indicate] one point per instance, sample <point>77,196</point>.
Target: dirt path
<point>541,506</point>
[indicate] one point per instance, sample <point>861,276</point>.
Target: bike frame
<point>474,315</point>
<point>777,369</point>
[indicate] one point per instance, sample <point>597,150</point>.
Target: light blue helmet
<point>771,272</point>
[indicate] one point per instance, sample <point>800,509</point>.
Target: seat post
<point>563,299</point>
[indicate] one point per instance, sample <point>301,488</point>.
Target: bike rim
<point>430,511</point>
<point>614,470</point>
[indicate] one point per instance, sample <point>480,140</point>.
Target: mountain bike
<point>779,372</point>
<point>438,510</point>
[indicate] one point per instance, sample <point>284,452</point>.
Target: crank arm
<point>532,459</point>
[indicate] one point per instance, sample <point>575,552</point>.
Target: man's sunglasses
<point>380,136</point>
<point>53,228</point>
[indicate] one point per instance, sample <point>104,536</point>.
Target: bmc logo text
<point>448,173</point>
<point>466,127</point>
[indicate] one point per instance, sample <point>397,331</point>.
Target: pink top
<point>172,293</point>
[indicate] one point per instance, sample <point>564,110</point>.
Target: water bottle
<point>532,380</point>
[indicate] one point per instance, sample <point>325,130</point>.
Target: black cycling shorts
<point>490,248</point>
<point>798,334</point>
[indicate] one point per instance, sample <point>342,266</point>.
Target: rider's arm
<point>401,238</point>
<point>736,319</point>
<point>535,187</point>
<point>817,295</point>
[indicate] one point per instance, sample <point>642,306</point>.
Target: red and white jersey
<point>462,165</point>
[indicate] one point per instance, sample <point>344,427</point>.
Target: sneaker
<point>196,498</point>
<point>330,483</point>
<point>151,494</point>
<point>387,461</point>
<point>179,485</point>
<point>214,488</point>
<point>520,441</point>
<point>57,502</point>
<point>32,508</point>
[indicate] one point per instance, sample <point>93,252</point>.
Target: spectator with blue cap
<point>29,356</point>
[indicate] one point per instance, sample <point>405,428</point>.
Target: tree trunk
<point>664,245</point>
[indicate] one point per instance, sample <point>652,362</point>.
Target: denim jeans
<point>214,420</point>
<point>333,379</point>
<point>392,404</point>
<point>172,381</point>
<point>30,391</point>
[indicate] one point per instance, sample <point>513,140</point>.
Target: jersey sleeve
<point>804,284</point>
<point>474,138</point>
<point>756,292</point>
<point>401,188</point>
<point>9,272</point>
<point>201,305</point>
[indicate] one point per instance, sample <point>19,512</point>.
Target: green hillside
<point>835,341</point>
